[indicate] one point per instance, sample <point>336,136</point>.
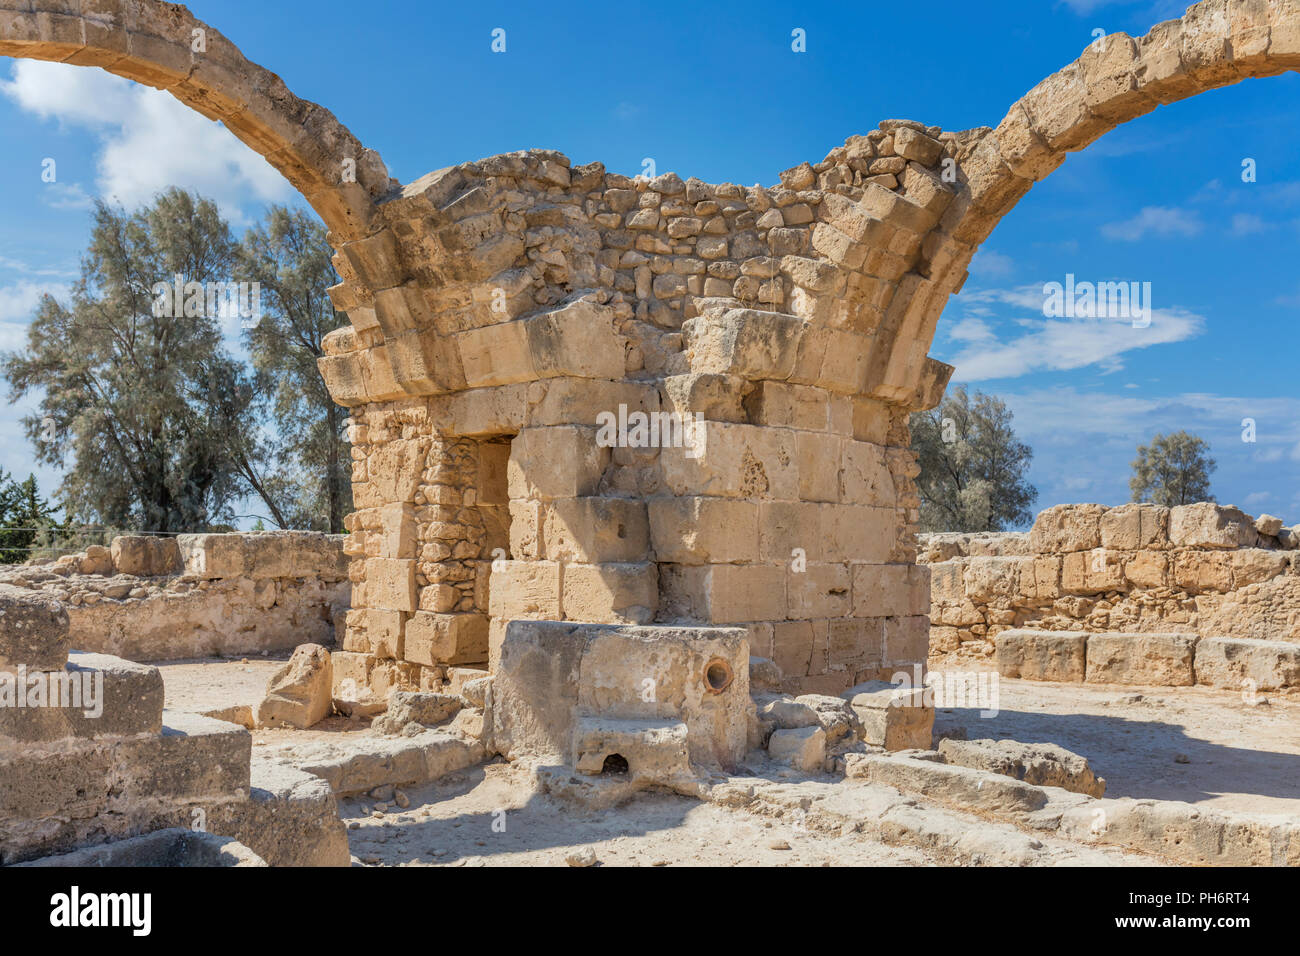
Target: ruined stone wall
<point>156,599</point>
<point>1199,569</point>
<point>536,298</point>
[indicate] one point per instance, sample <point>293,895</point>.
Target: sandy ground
<point>487,816</point>
<point>215,682</point>
<point>1238,757</point>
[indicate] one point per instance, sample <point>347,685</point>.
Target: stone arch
<point>1216,43</point>
<point>155,44</point>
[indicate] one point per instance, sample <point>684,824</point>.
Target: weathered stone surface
<point>1043,765</point>
<point>892,717</point>
<point>803,748</point>
<point>1042,655</point>
<point>298,694</point>
<point>33,631</point>
<point>1161,659</point>
<point>1247,665</point>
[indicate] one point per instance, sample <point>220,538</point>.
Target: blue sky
<point>716,92</point>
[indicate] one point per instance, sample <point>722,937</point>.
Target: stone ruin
<point>630,455</point>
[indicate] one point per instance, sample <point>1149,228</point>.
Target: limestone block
<point>593,530</point>
<point>553,674</point>
<point>1041,765</point>
<point>576,338</point>
<point>788,406</point>
<point>881,590</point>
<point>1066,528</point>
<point>525,589</point>
<point>655,750</point>
<point>33,631</point>
<point>818,457</point>
<point>559,462</point>
<point>1042,655</point>
<point>398,537</point>
<point>849,643</point>
<point>857,533</point>
<point>433,638</point>
<point>803,748</point>
<point>819,590</point>
<point>734,461</point>
<point>1268,525</point>
<point>1254,565</point>
<point>732,593</point>
<point>744,342</point>
<point>1203,570</point>
<point>988,579</point>
<point>864,475</point>
<point>896,718</point>
<point>907,640</point>
<point>390,584</point>
<point>95,696</point>
<point>299,694</point>
<point>384,631</point>
<point>611,593</point>
<point>1092,572</point>
<point>1148,569</point>
<point>145,555</point>
<point>1208,525</point>
<point>1242,664</point>
<point>697,530</point>
<point>1163,660</point>
<point>405,707</point>
<point>1135,527</point>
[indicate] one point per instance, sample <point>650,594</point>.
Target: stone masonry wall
<point>197,595</point>
<point>1200,569</point>
<point>540,297</point>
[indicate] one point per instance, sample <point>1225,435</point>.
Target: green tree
<point>1173,470</point>
<point>289,257</point>
<point>140,402</point>
<point>972,465</point>
<point>24,514</point>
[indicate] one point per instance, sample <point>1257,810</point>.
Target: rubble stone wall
<point>1200,569</point>
<point>197,595</point>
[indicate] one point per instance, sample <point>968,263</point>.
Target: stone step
<point>93,696</point>
<point>55,796</point>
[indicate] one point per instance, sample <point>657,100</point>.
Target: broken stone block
<point>405,707</point>
<point>1043,765</point>
<point>145,555</point>
<point>33,631</point>
<point>1208,525</point>
<point>835,715</point>
<point>803,748</point>
<point>298,694</point>
<point>893,717</point>
<point>1268,525</point>
<point>1042,655</point>
<point>764,675</point>
<point>1160,659</point>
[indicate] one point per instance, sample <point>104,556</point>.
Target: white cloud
<point>17,306</point>
<point>992,264</point>
<point>1163,221</point>
<point>1047,344</point>
<point>1247,224</point>
<point>148,140</point>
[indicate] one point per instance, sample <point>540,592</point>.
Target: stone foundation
<point>157,599</point>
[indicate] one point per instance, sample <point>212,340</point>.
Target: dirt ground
<point>1195,744</point>
<point>1192,744</point>
<point>488,817</point>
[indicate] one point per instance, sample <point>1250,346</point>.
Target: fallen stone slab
<point>1164,660</point>
<point>1240,663</point>
<point>412,707</point>
<point>803,748</point>
<point>1042,655</point>
<point>1185,833</point>
<point>962,787</point>
<point>361,764</point>
<point>1042,765</point>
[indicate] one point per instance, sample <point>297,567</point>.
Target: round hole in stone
<point>717,676</point>
<point>614,763</point>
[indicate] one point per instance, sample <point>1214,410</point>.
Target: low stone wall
<point>198,595</point>
<point>1203,569</point>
